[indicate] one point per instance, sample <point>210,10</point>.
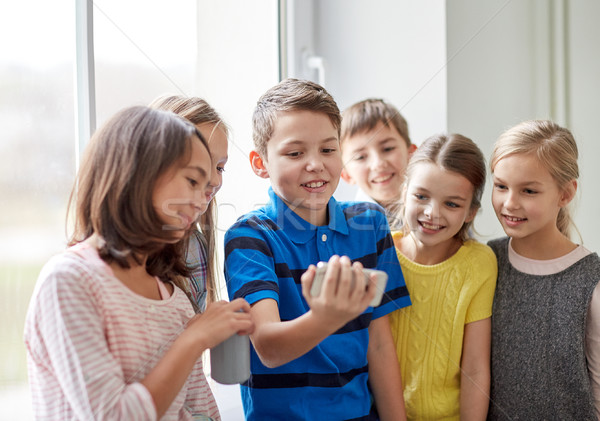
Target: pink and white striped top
<point>90,340</point>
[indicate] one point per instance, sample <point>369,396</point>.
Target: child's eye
<point>192,182</point>
<point>452,205</point>
<point>360,157</point>
<point>500,186</point>
<point>389,148</point>
<point>419,196</point>
<point>293,154</point>
<point>529,191</point>
<point>220,170</point>
<point>328,150</point>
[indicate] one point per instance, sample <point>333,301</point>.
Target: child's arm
<point>65,334</point>
<point>278,342</point>
<point>204,331</point>
<point>384,371</point>
<point>475,370</point>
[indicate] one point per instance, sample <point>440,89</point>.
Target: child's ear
<point>568,193</point>
<point>472,214</point>
<point>257,164</point>
<point>346,177</point>
<point>411,149</point>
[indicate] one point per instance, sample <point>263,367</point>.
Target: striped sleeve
<point>396,294</point>
<point>69,358</point>
<point>249,264</point>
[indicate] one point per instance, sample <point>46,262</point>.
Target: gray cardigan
<point>539,369</point>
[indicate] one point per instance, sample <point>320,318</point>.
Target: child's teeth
<point>382,179</point>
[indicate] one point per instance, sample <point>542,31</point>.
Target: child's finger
<point>371,288</point>
<point>240,304</point>
<point>330,280</point>
<point>360,284</point>
<point>345,282</point>
<point>306,280</point>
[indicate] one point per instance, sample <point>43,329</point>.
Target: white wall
<point>237,63</point>
<point>471,67</point>
<point>493,78</point>
<point>390,49</point>
<point>583,105</point>
<point>394,50</point>
<point>523,60</point>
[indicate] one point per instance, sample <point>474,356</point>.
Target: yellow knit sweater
<point>429,333</point>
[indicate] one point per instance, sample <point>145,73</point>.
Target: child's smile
<point>526,198</point>
<point>304,163</point>
<point>376,160</point>
<point>437,205</point>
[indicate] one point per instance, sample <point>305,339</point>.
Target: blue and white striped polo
<point>266,252</point>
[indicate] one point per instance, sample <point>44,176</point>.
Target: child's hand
<point>219,321</point>
<point>344,294</point>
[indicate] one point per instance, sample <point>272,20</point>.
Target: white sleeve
<point>74,370</point>
<point>592,346</point>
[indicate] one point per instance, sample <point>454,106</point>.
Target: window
<point>225,52</point>
<point>37,169</point>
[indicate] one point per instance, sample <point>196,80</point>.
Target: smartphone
<point>380,284</point>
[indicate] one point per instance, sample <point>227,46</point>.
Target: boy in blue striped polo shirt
<point>329,356</point>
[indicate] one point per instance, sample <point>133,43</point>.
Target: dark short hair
<point>364,115</point>
<point>290,95</point>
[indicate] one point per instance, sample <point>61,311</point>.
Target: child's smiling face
<point>179,193</point>
<point>217,141</point>
<point>304,163</point>
<point>437,205</point>
<point>376,161</point>
<point>526,198</point>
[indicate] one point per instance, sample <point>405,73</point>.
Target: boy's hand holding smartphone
<point>340,291</point>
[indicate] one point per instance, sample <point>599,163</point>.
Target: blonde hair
<point>112,195</point>
<point>456,153</point>
<point>290,95</point>
<point>555,148</point>
<point>364,116</point>
<point>198,111</point>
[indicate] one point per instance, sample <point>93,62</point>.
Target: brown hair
<point>112,196</point>
<point>290,95</point>
<point>198,112</point>
<point>555,148</point>
<point>364,116</point>
<point>460,155</point>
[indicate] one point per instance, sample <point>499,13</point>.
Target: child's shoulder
<point>498,244</point>
<point>257,219</point>
<point>479,254</point>
<point>76,268</point>
<point>366,210</point>
<point>74,261</point>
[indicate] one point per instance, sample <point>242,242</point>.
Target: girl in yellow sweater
<point>443,339</point>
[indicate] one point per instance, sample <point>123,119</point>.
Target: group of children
<point>509,330</point>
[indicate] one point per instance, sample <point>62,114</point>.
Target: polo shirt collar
<point>299,230</point>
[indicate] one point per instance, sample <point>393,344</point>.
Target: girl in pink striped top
<point>109,333</point>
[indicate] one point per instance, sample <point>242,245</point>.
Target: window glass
<point>142,49</point>
<point>224,51</point>
<point>37,165</point>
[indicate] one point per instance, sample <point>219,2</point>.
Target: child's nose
<point>315,163</point>
<point>376,162</point>
<point>215,180</point>
<point>199,201</point>
<point>511,201</point>
<point>430,210</point>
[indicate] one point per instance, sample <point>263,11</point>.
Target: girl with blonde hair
<point>546,322</point>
